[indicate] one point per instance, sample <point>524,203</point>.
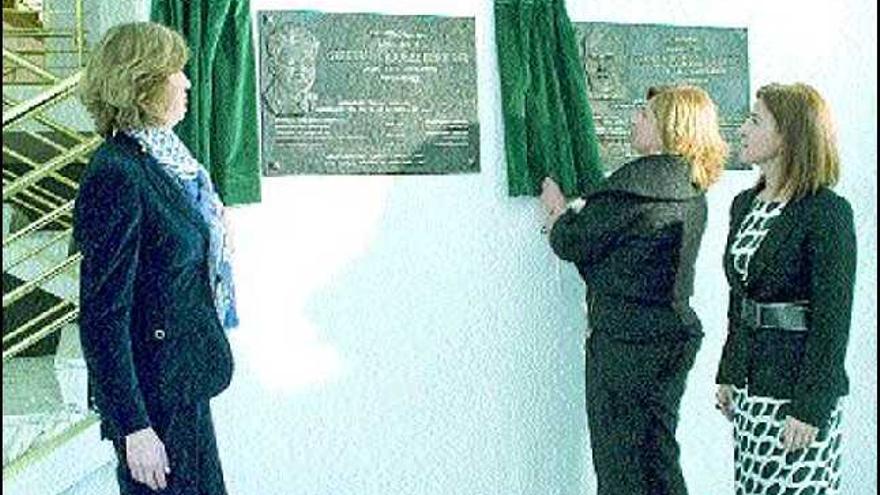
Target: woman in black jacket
<point>156,291</point>
<point>635,241</point>
<point>790,262</point>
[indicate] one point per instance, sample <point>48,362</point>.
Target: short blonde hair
<point>125,81</point>
<point>808,151</point>
<point>688,125</point>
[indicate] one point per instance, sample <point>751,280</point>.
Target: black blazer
<point>148,324</point>
<point>635,244</point>
<point>809,254</point>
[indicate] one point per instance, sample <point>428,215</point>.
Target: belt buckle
<point>750,312</point>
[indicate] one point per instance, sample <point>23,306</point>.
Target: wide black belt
<point>790,316</point>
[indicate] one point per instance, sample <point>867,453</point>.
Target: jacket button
<point>159,334</point>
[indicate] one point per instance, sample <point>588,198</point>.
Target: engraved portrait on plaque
<point>621,61</point>
<point>604,64</point>
<point>292,53</point>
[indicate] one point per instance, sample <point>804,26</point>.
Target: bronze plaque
<point>367,94</point>
<point>622,60</point>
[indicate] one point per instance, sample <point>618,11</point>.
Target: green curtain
<point>548,123</point>
<point>220,127</point>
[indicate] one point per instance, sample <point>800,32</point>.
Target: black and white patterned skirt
<point>763,468</point>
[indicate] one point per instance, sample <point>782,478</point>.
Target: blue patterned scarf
<point>164,145</point>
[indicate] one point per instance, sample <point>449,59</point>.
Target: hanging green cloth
<point>220,126</point>
<point>548,123</point>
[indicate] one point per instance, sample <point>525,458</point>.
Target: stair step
<point>33,406</point>
<point>62,467</point>
<point>102,481</point>
<point>43,396</point>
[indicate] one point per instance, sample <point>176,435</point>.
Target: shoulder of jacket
<point>112,159</point>
<point>637,167</point>
<point>828,206</point>
<point>656,177</point>
<point>827,197</point>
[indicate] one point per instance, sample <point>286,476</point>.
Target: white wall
<point>414,335</point>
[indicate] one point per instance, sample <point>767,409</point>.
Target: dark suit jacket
<point>148,325</point>
<point>809,254</point>
<point>635,244</point>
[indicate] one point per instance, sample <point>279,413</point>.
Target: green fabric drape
<point>548,123</point>
<point>220,127</point>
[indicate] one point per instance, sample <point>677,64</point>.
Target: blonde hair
<point>125,81</point>
<point>688,125</point>
<point>808,151</point>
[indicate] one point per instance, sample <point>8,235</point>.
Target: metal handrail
<point>52,165</point>
<point>45,51</point>
<point>35,454</point>
<point>27,161</point>
<point>80,40</point>
<point>40,222</point>
<point>36,320</point>
<point>61,235</point>
<point>30,66</point>
<point>16,32</point>
<point>31,83</point>
<point>59,91</point>
<point>40,334</point>
<point>38,204</point>
<point>31,285</point>
<point>25,205</point>
<point>46,198</point>
<point>46,121</point>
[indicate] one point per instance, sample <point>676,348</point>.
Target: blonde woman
<point>790,262</point>
<point>634,242</point>
<point>156,290</point>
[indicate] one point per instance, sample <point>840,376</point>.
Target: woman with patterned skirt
<point>790,262</point>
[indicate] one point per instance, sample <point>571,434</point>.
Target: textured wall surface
<point>414,335</point>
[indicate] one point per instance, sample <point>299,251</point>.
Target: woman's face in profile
<point>644,136</point>
<point>176,88</point>
<point>760,139</point>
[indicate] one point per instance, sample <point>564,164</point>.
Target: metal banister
<point>59,91</point>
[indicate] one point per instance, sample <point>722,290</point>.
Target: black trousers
<point>188,434</point>
<point>633,394</point>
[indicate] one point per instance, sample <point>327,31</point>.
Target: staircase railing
<point>43,157</point>
<point>30,188</point>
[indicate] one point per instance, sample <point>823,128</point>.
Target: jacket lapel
<point>776,237</point>
<point>163,184</point>
<point>739,214</point>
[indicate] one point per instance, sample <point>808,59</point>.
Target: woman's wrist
<point>552,216</point>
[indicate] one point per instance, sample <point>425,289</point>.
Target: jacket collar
<point>162,183</point>
<point>664,177</point>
